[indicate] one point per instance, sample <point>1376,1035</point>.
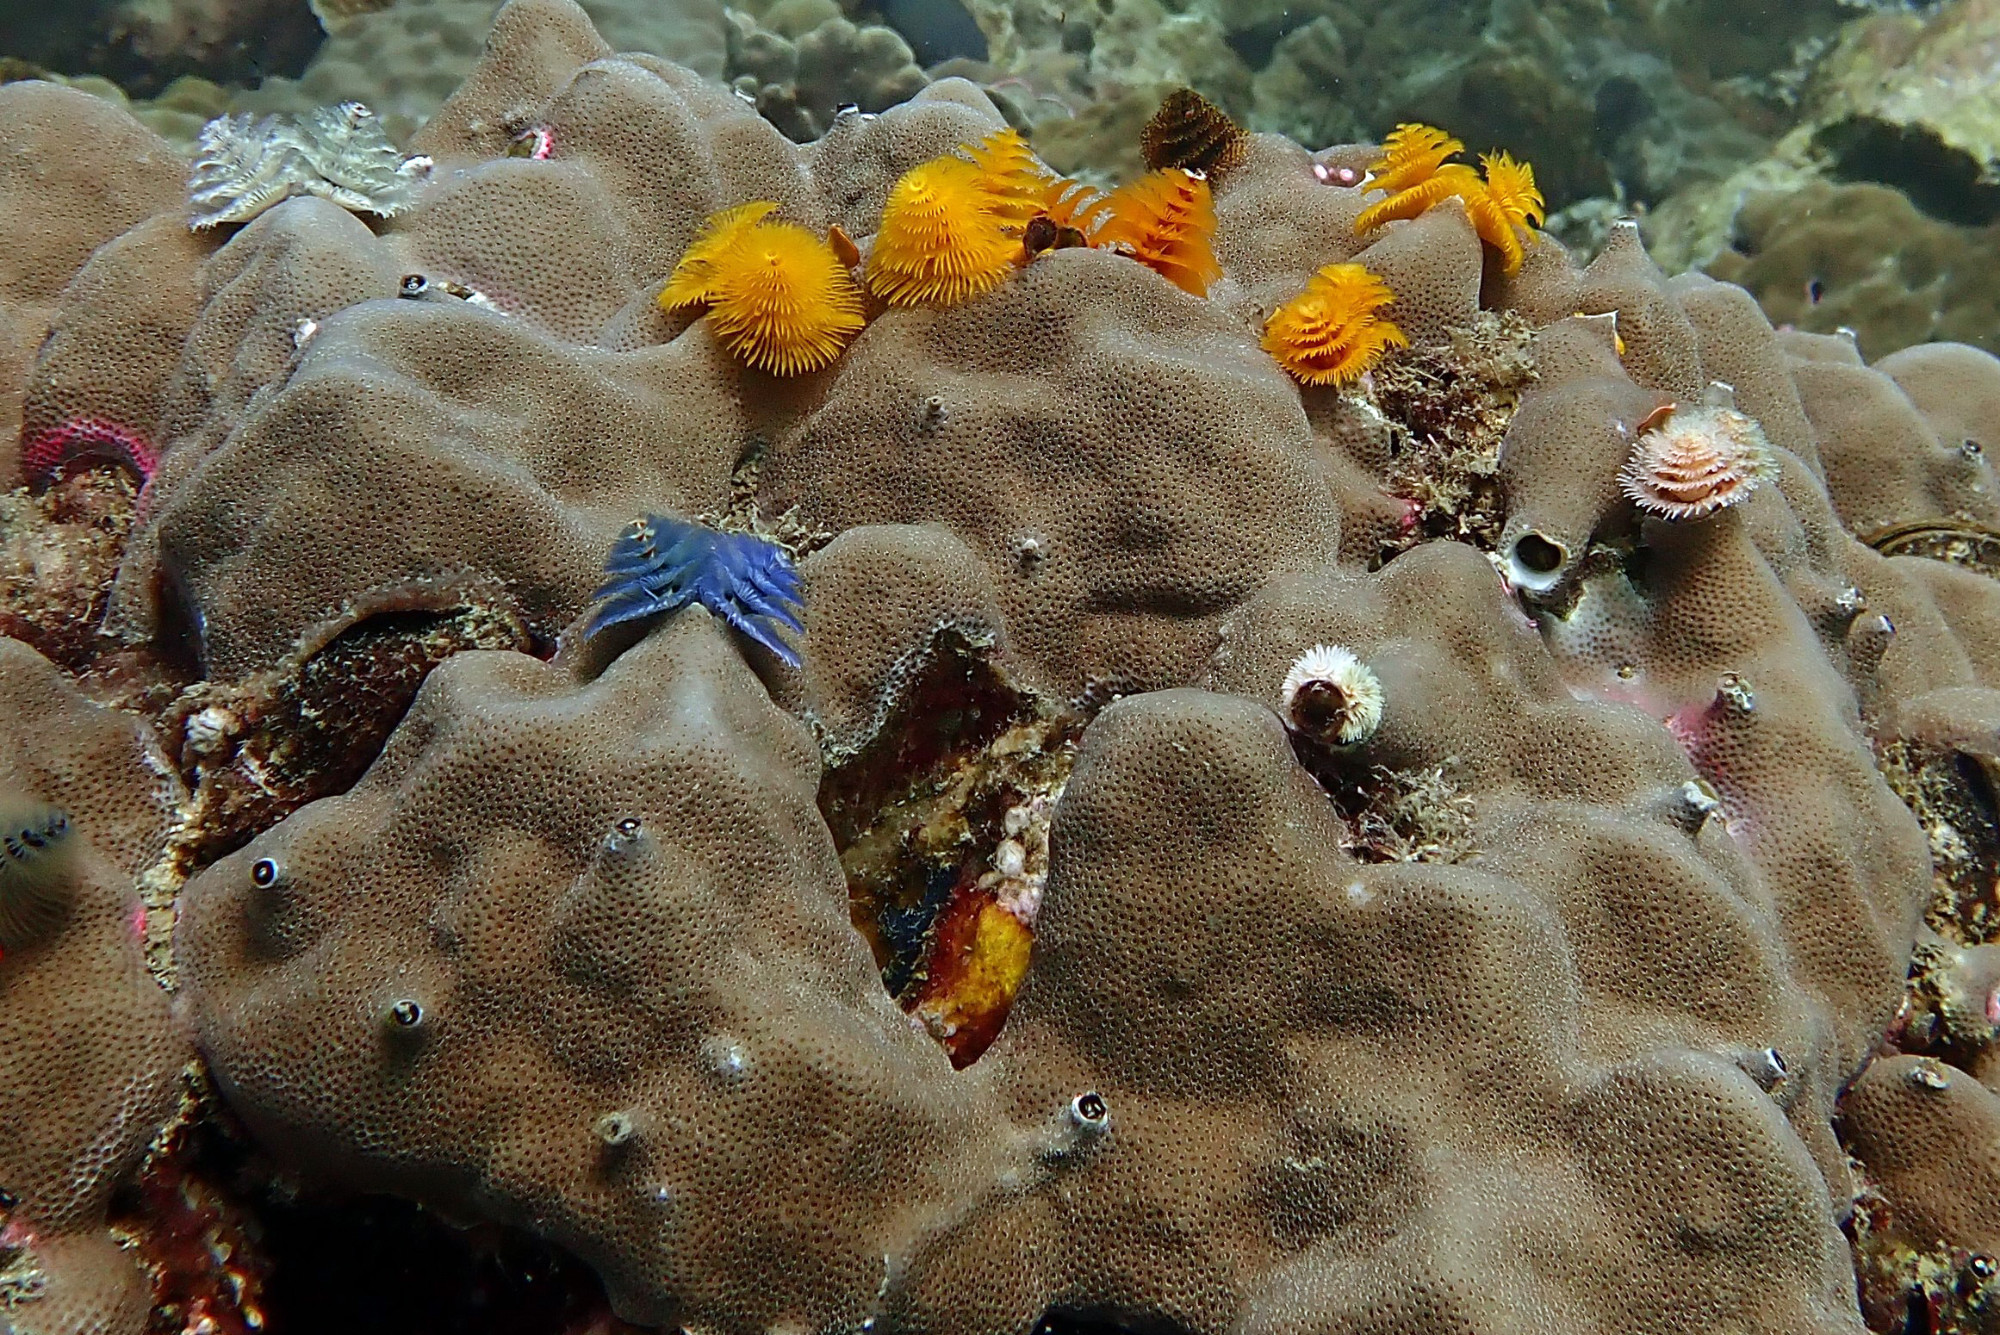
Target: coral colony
<point>1336,780</point>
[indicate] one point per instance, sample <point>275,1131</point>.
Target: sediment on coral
<point>1446,409</point>
<point>61,549</point>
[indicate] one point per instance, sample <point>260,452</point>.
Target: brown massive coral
<point>1535,1002</point>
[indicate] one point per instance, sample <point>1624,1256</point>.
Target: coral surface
<point>1230,854</point>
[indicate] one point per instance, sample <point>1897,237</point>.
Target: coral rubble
<point>1492,834</point>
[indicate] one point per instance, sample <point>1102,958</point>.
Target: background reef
<point>380,948</point>
<point>1721,125</point>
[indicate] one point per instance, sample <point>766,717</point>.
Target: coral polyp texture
<point>1258,754</point>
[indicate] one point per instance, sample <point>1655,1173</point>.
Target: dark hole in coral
<point>1061,1320</point>
<point>1620,104</point>
<point>1973,775</point>
<point>954,706</point>
<point>220,1238</point>
<point>1943,181</point>
<point>389,1267</point>
<point>1537,553</point>
<point>177,631</point>
<point>1917,1315</point>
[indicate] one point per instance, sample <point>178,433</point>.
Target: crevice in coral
<point>1392,815</point>
<point>942,825</point>
<point>1065,1320</point>
<point>1448,406</point>
<point>1907,1290</point>
<point>254,752</point>
<point>1953,797</point>
<point>233,1250</point>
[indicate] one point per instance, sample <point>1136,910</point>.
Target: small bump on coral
<point>616,1129</point>
<point>405,1014</point>
<point>1332,697</point>
<point>1088,1109</point>
<point>1733,694</point>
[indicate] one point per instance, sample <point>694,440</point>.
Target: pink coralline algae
<point>49,453</point>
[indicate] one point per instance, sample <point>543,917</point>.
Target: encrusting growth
<point>778,297</point>
<point>1415,172</point>
<point>1332,333</point>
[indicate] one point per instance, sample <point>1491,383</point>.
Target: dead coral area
<point>1395,815</point>
<point>253,752</point>
<point>59,553</point>
<point>942,822</point>
<point>1447,406</point>
<point>1952,795</point>
<point>742,514</point>
<point>197,1241</point>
